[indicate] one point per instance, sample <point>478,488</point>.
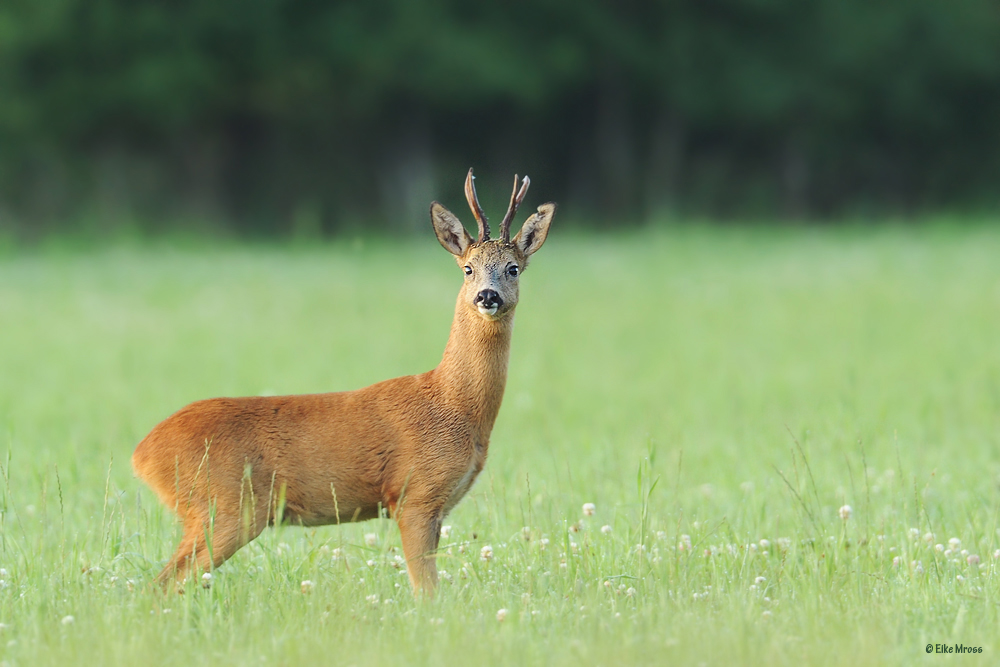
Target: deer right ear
<point>535,229</point>
<point>450,231</point>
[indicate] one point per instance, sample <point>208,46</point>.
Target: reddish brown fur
<point>413,445</point>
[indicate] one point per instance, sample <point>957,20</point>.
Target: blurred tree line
<point>306,115</point>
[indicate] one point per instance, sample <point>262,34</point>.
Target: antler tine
<point>477,210</point>
<point>516,197</point>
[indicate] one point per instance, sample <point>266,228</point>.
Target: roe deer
<point>412,445</point>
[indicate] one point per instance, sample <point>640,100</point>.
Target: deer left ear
<point>449,230</point>
<point>535,229</point>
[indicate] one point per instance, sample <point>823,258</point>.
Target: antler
<point>516,197</point>
<point>477,210</point>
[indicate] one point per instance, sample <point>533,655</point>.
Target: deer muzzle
<point>488,302</point>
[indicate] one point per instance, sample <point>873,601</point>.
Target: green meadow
<point>790,438</point>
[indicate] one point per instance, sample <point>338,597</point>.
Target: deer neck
<point>473,370</point>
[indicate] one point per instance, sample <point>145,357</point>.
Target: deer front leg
<point>420,529</point>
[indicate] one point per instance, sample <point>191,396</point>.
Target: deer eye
<point>513,270</point>
<point>467,269</point>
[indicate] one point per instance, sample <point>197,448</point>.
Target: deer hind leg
<point>420,531</point>
<point>185,558</point>
<point>206,545</point>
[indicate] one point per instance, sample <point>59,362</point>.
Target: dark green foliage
<point>305,116</point>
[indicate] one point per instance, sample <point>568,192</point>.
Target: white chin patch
<point>491,311</point>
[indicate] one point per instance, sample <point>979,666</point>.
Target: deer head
<point>492,266</point>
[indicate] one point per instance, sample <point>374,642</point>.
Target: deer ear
<point>535,229</point>
<point>450,231</point>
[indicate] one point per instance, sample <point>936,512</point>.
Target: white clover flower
<point>784,543</point>
<point>370,563</point>
<point>501,615</point>
<point>371,539</point>
<point>685,543</point>
<point>766,615</point>
<point>589,509</point>
<point>337,554</point>
<point>3,573</point>
<point>543,543</point>
<point>372,599</point>
<point>972,559</point>
<point>929,538</point>
<point>765,544</point>
<point>630,592</point>
<point>760,581</point>
<point>917,566</point>
<point>939,548</point>
<point>607,584</point>
<point>206,580</point>
<point>896,561</point>
<point>964,552</point>
<point>845,512</point>
<point>68,620</point>
<point>606,529</point>
<point>574,547</point>
<point>959,578</point>
<point>996,554</point>
<point>307,586</point>
<point>526,534</point>
<point>445,532</point>
<point>914,534</point>
<point>486,553</point>
<point>955,543</point>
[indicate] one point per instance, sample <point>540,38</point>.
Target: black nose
<point>488,298</point>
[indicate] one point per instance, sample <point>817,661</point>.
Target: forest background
<point>269,118</point>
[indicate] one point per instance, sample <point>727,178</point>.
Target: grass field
<point>718,395</point>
